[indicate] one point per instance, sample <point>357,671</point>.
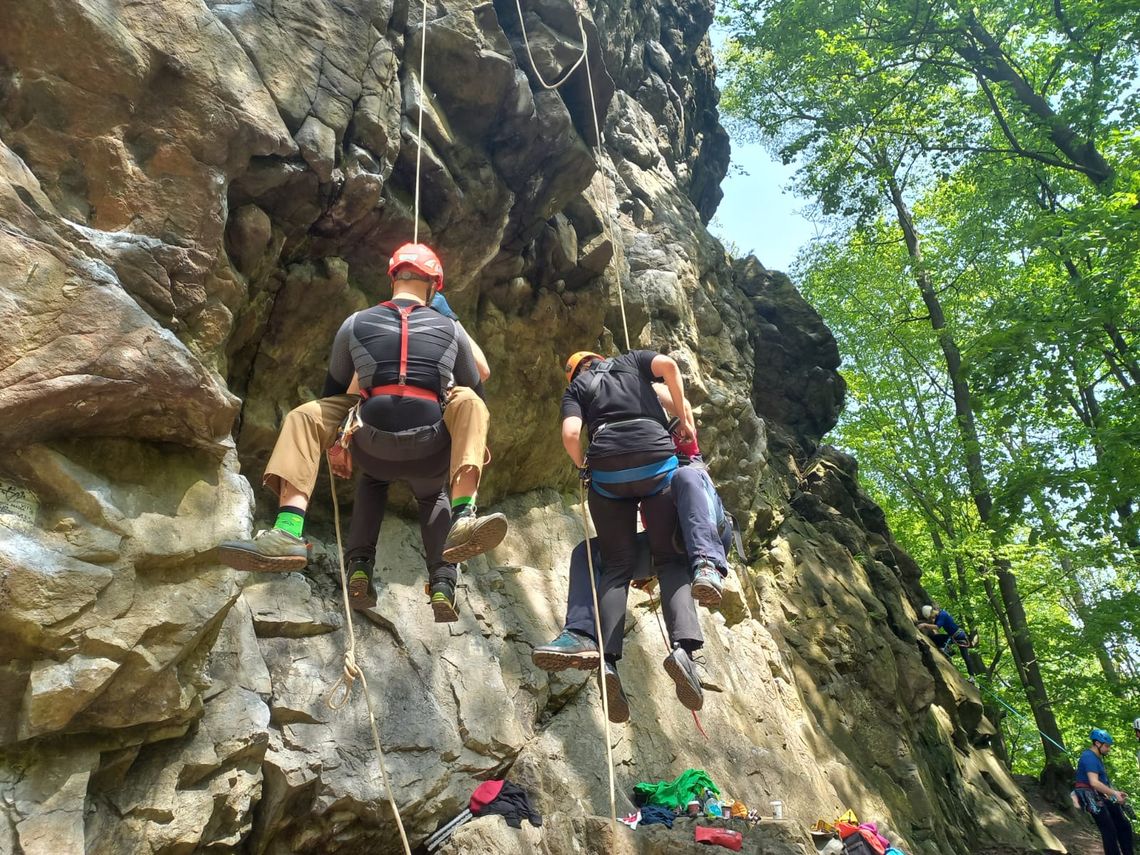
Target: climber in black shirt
<point>630,460</point>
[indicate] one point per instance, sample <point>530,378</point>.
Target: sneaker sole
<point>487,535</point>
<point>690,698</point>
<point>445,612</point>
<point>619,706</point>
<point>553,662</point>
<point>358,596</point>
<point>255,562</point>
<point>707,595</point>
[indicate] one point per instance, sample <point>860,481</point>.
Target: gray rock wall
<point>192,197</point>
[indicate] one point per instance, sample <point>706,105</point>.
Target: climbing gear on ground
<point>270,551</point>
<point>417,258</point>
<point>927,611</point>
<point>661,472</point>
<point>568,650</point>
<point>708,586</point>
<point>575,360</point>
<point>471,535</point>
<point>682,670</point>
<point>442,594</point>
<point>726,837</point>
<point>1099,734</point>
<point>342,688</point>
<point>361,593</point>
<point>618,702</point>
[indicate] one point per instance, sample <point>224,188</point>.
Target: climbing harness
<point>602,647</point>
<point>342,688</point>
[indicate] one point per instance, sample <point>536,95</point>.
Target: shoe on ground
<point>471,535</point>
<point>683,671</point>
<point>361,592</point>
<point>708,585</point>
<point>569,650</point>
<point>270,551</point>
<point>615,696</point>
<point>443,601</point>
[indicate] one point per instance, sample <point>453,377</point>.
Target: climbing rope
<point>668,649</point>
<point>353,671</point>
<point>601,653</point>
<point>420,128</point>
<point>978,682</point>
<point>609,202</point>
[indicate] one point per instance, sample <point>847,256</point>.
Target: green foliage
<point>991,152</point>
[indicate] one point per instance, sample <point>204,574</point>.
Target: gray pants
<point>427,477</point>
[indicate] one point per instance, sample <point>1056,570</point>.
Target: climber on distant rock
<point>947,635</point>
<point>629,463</point>
<point>421,418</point>
<point>1098,798</point>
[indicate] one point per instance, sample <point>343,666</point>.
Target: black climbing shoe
<point>615,695</point>
<point>569,650</point>
<point>443,601</point>
<point>361,592</point>
<point>681,668</point>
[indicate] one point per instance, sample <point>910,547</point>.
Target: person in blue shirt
<point>1096,796</point>
<point>945,633</point>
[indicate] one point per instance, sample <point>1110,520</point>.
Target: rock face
<point>192,197</point>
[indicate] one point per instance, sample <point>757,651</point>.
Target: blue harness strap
<point>664,468</point>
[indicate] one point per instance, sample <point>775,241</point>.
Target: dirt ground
<point>1076,830</point>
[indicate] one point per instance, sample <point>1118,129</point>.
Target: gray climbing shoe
<point>471,535</point>
<point>708,586</point>
<point>569,650</point>
<point>271,551</point>
<point>683,671</point>
<point>615,695</point>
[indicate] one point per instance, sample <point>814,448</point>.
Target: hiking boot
<point>471,535</point>
<point>615,695</point>
<point>569,650</point>
<point>443,601</point>
<point>681,668</point>
<point>361,592</point>
<point>272,551</point>
<point>708,586</point>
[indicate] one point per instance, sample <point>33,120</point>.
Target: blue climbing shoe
<point>708,585</point>
<point>569,650</point>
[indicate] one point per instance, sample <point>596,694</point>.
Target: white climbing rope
<point>420,128</point>
<point>353,671</point>
<point>608,201</point>
<point>601,655</point>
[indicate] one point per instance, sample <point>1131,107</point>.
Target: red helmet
<point>420,259</point>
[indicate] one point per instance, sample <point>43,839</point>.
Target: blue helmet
<point>1099,734</point>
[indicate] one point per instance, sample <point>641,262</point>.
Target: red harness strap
<point>402,389</point>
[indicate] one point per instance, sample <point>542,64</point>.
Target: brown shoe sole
<point>619,706</point>
<point>553,662</point>
<point>488,534</point>
<point>255,562</point>
<point>359,598</point>
<point>690,698</point>
<point>707,595</point>
<point>445,612</point>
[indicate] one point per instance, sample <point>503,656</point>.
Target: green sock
<point>290,521</point>
<point>461,503</point>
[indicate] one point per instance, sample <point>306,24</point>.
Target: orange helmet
<point>571,366</point>
<point>419,258</point>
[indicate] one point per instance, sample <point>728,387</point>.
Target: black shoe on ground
<point>361,593</point>
<point>615,696</point>
<point>443,601</point>
<point>569,650</point>
<point>683,671</point>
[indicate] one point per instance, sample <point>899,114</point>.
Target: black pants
<point>616,523</point>
<point>1115,829</point>
<point>677,601</point>
<point>427,479</point>
<point>949,643</point>
<point>700,514</point>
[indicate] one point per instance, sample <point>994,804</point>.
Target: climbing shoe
<point>361,593</point>
<point>708,587</point>
<point>569,650</point>
<point>681,668</point>
<point>471,535</point>
<point>443,601</point>
<point>973,639</point>
<point>271,551</point>
<point>615,695</point>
